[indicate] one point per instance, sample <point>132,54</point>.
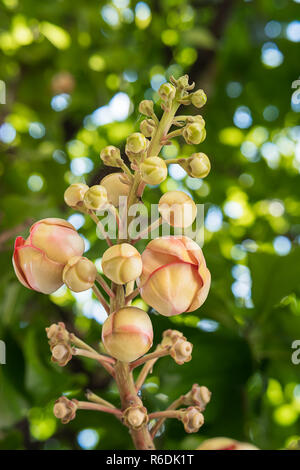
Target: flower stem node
<point>117,185</point>
<point>65,409</point>
<point>111,156</point>
<point>181,351</point>
<point>199,396</point>
<point>153,170</point>
<point>135,417</point>
<point>146,107</point>
<point>192,419</point>
<point>61,353</point>
<point>122,263</point>
<point>127,334</point>
<point>148,127</point>
<point>194,133</point>
<point>79,274</point>
<point>177,209</point>
<point>95,197</point>
<point>136,146</point>
<point>74,194</point>
<point>199,98</point>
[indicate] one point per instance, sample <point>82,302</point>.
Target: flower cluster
<point>53,255</point>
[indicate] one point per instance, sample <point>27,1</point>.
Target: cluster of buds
<point>60,344</point>
<point>135,417</point>
<point>179,348</point>
<point>65,409</point>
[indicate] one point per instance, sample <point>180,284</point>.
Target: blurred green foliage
<point>74,74</point>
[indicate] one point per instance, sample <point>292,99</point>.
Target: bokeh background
<point>74,73</point>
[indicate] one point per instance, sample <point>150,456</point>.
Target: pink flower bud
<point>40,259</point>
<point>175,278</point>
<point>224,443</point>
<point>127,334</point>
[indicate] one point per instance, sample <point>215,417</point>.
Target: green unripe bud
<point>167,92</point>
<point>148,127</point>
<point>74,194</point>
<point>146,107</point>
<point>197,165</point>
<point>95,197</point>
<point>199,98</point>
<point>194,133</point>
<point>153,170</point>
<point>111,156</point>
<point>136,143</point>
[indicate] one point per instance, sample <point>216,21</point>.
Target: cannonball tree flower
<point>175,278</point>
<point>127,334</point>
<point>225,443</point>
<point>117,185</point>
<point>177,209</point>
<point>40,259</point>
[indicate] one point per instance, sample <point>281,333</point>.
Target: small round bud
<point>148,127</point>
<point>79,274</point>
<point>95,197</point>
<point>61,353</point>
<point>65,409</point>
<point>153,170</point>
<point>199,98</point>
<point>197,165</point>
<point>181,351</point>
<point>170,337</point>
<point>136,143</point>
<point>127,334</point>
<point>74,194</point>
<point>135,417</point>
<point>122,263</point>
<point>57,333</point>
<point>192,419</point>
<point>111,156</point>
<point>194,133</point>
<point>115,185</point>
<point>167,92</point>
<point>199,396</point>
<point>146,107</point>
<point>177,209</point>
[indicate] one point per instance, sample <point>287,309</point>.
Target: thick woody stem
<point>96,399</point>
<point>105,286</point>
<point>176,404</point>
<point>101,298</point>
<point>149,357</point>
<point>85,405</point>
<point>105,361</point>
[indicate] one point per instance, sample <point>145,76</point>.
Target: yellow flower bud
<point>74,194</point>
<point>116,187</point>
<point>146,107</point>
<point>199,98</point>
<point>111,156</point>
<point>127,334</point>
<point>79,274</point>
<point>148,127</point>
<point>197,165</point>
<point>153,170</point>
<point>194,133</point>
<point>95,197</point>
<point>167,92</point>
<point>122,263</point>
<point>177,208</point>
<point>136,143</point>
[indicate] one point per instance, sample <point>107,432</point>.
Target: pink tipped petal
<point>18,270</point>
<point>42,274</point>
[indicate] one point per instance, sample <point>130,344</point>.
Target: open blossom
<point>175,278</point>
<point>40,259</point>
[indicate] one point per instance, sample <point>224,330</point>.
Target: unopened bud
<point>115,185</point>
<point>199,98</point>
<point>197,165</point>
<point>65,409</point>
<point>74,194</point>
<point>199,396</point>
<point>170,337</point>
<point>79,274</point>
<point>148,127</point>
<point>181,351</point>
<point>177,209</point>
<point>136,143</point>
<point>146,107</point>
<point>122,263</point>
<point>192,419</point>
<point>57,333</point>
<point>95,197</point>
<point>61,354</point>
<point>153,170</point>
<point>194,133</point>
<point>111,156</point>
<point>135,417</point>
<point>167,92</point>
